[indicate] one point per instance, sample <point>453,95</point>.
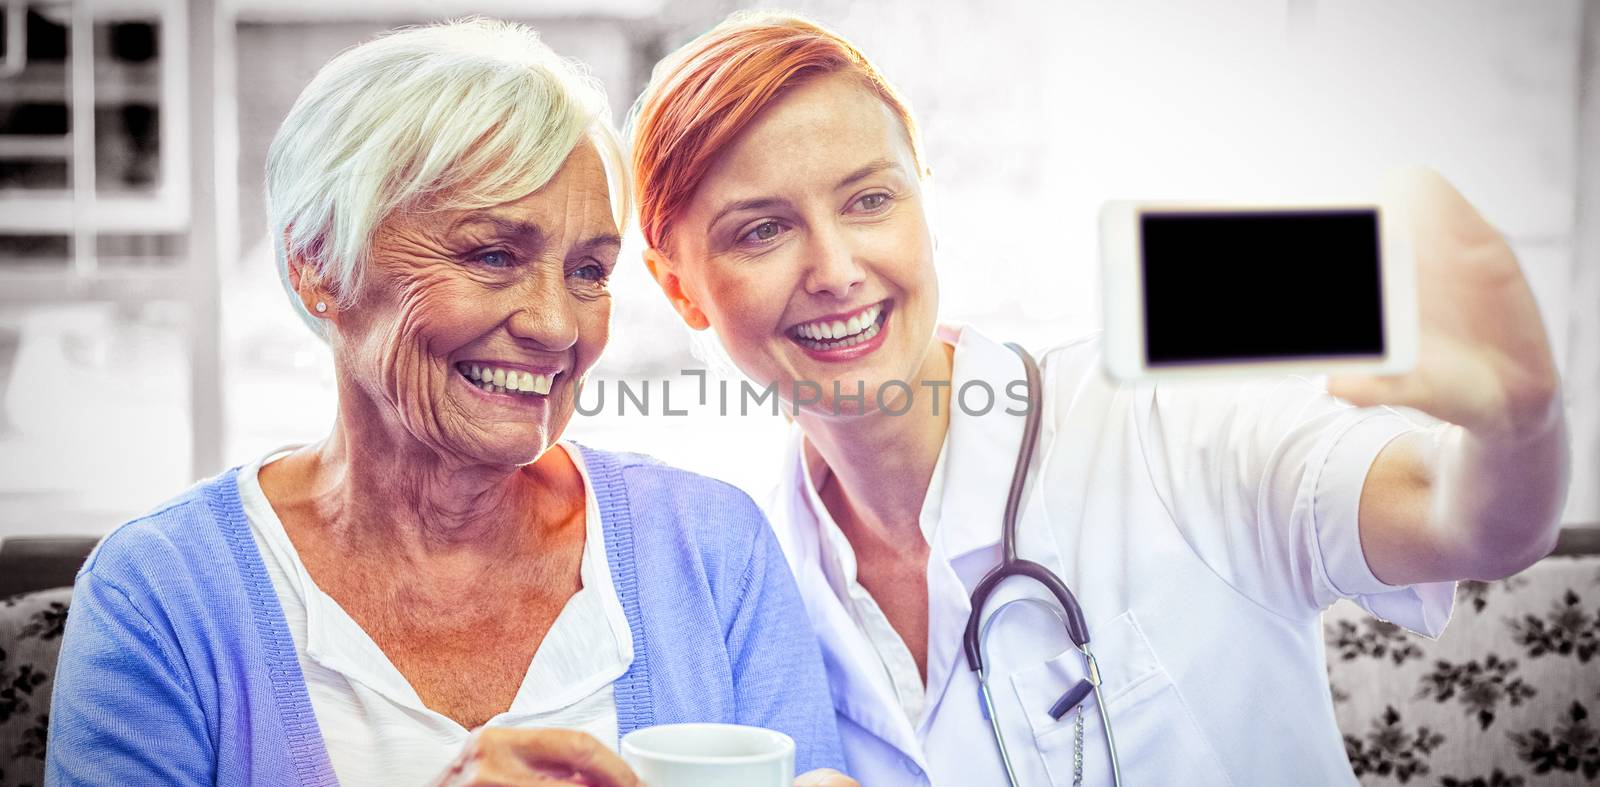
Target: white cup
<point>710,755</point>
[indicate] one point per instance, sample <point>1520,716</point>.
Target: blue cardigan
<point>177,666</point>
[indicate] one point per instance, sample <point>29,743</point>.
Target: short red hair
<point>703,96</point>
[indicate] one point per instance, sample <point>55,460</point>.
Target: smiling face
<point>474,328</point>
<point>806,247</point>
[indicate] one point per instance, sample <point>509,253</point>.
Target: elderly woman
<point>446,202</point>
<point>783,198</point>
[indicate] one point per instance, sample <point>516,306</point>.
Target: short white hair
<point>452,116</point>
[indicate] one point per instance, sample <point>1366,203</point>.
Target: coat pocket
<point>1157,740</point>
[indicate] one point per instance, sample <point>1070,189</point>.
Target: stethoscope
<point>1070,614</point>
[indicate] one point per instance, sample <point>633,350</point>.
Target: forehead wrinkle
<point>519,231</point>
<point>577,205</point>
<point>591,206</point>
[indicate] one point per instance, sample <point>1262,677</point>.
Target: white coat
<point>1203,528</point>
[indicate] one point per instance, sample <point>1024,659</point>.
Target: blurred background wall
<point>145,340</point>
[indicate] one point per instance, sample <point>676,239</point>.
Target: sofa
<point>35,591</point>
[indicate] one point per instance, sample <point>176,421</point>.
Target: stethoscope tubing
<point>1070,612</point>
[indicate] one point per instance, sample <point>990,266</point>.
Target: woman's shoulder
<point>181,534</point>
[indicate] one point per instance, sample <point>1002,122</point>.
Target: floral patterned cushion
<point>30,635</point>
<point>1506,697</point>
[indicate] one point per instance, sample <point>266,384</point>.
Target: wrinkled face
<point>808,250</point>
<point>474,328</point>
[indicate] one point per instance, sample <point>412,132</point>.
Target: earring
<point>321,307</point>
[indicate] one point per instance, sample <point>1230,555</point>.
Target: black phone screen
<point>1270,285</point>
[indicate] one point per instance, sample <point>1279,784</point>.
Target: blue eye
<point>593,272</point>
<point>495,258</point>
<point>762,233</point>
<point>872,202</point>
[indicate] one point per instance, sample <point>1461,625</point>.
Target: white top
<point>1202,528</point>
<point>376,728</point>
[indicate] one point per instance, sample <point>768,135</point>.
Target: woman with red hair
<point>783,197</point>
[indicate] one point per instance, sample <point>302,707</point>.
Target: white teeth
<point>507,380</point>
<point>866,334</point>
<point>841,330</point>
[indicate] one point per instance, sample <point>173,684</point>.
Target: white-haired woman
<point>446,203</point>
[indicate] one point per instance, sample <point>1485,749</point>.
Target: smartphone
<point>1223,289</point>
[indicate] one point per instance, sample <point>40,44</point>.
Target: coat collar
<point>967,498</point>
<point>846,654</point>
<point>982,441</point>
